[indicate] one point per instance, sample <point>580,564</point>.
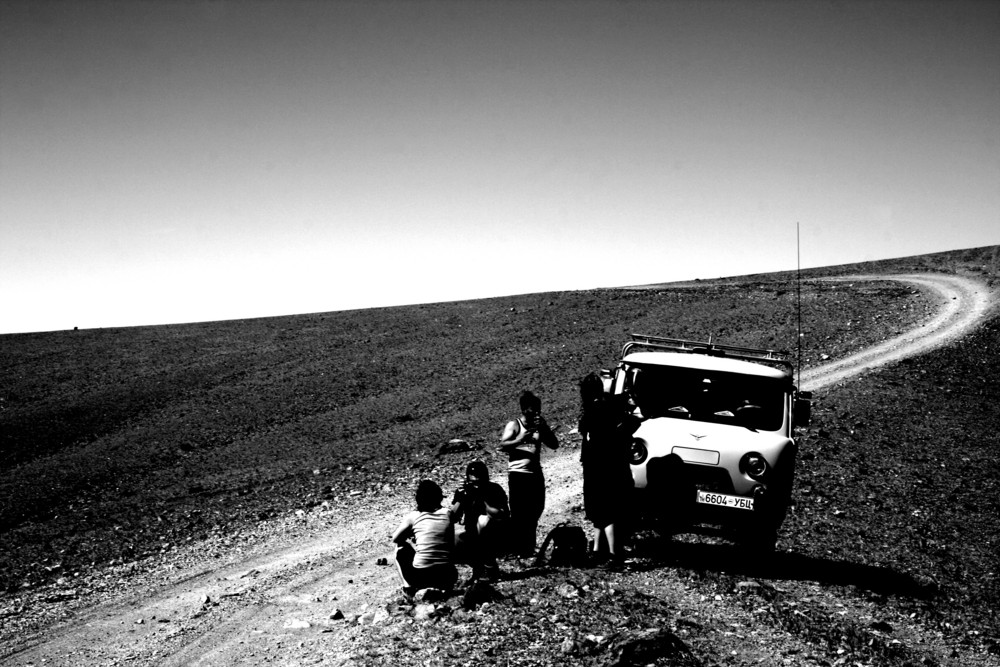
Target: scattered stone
<point>568,591</point>
<point>881,626</point>
<point>372,617</point>
<point>296,624</point>
<point>337,615</point>
<point>424,612</point>
<point>688,623</point>
<point>652,645</point>
<point>456,446</point>
<point>61,596</point>
<point>429,595</point>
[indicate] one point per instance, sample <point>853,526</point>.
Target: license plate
<point>725,500</point>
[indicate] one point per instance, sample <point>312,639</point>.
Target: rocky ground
<point>889,556</point>
<point>252,530</point>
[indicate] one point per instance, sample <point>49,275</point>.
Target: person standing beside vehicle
<point>522,441</point>
<point>606,430</point>
<point>428,563</point>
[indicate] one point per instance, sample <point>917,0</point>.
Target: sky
<point>183,161</point>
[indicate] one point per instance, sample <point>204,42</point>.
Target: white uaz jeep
<point>715,446</point>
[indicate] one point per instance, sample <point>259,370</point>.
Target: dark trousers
<point>479,544</point>
<point>417,578</point>
<point>527,500</point>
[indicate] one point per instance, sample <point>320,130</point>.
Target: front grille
<point>670,472</point>
<point>705,478</point>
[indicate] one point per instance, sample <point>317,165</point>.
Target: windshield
<point>709,396</point>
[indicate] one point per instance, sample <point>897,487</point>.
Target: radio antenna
<point>798,289</point>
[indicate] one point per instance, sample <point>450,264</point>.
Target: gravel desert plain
<point>223,493</point>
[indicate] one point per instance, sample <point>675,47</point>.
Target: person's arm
<point>496,512</point>
<point>458,502</point>
<point>404,531</point>
<point>512,436</point>
<point>545,434</point>
<point>495,503</point>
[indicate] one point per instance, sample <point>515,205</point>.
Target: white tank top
<point>526,457</point>
<point>434,535</point>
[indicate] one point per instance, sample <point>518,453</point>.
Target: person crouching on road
<point>428,563</point>
<point>522,441</point>
<point>482,505</point>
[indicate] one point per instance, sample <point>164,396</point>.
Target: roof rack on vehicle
<point>709,348</point>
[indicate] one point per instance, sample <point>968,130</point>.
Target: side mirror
<point>802,410</point>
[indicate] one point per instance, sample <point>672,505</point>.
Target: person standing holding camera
<point>522,441</point>
<point>483,510</point>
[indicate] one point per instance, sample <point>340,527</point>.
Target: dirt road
<point>963,304</point>
<point>276,597</point>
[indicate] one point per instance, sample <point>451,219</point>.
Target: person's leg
<point>404,564</point>
<point>450,577</point>
<point>621,516</point>
<point>484,525</point>
<point>442,577</point>
<point>488,545</point>
<point>465,540</point>
<point>519,496</point>
<point>599,540</point>
<point>536,505</point>
<point>474,554</point>
<point>609,534</point>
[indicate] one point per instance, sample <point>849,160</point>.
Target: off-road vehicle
<point>714,451</point>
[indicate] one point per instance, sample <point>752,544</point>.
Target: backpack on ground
<point>569,546</point>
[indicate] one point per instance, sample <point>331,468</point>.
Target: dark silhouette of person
<point>485,514</point>
<point>606,430</point>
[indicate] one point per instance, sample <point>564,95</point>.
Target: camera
<point>468,491</point>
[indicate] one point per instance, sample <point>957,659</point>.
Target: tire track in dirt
<point>964,304</point>
<point>275,607</point>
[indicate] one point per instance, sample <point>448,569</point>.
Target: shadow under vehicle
<point>715,448</point>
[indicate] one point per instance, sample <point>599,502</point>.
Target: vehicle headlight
<point>754,464</point>
<point>639,451</point>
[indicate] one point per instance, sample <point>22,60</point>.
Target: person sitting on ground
<point>428,563</point>
<point>482,506</point>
